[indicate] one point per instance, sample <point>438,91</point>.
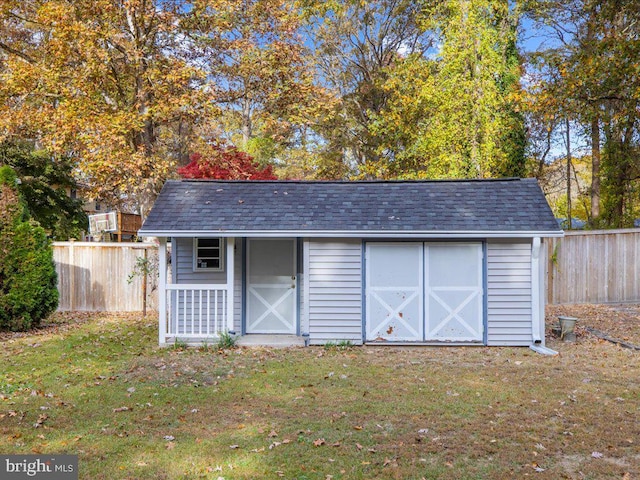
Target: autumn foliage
<point>226,163</point>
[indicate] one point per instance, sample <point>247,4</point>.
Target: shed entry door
<point>271,286</point>
<point>424,292</point>
<point>394,292</point>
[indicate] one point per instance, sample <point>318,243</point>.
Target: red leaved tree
<point>226,163</point>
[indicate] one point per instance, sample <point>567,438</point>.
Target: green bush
<point>28,280</point>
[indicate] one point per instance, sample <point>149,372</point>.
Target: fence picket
<point>594,266</point>
<point>93,276</point>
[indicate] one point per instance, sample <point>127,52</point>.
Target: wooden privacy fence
<point>597,266</point>
<point>96,276</point>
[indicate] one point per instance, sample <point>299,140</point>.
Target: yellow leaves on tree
<point>102,81</point>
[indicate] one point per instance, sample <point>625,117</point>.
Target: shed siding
<point>182,259</point>
<point>509,294</point>
<point>237,287</point>
<point>184,265</point>
<point>335,290</point>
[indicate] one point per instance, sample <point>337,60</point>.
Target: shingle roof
<point>187,207</point>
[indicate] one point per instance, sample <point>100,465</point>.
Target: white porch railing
<point>197,311</point>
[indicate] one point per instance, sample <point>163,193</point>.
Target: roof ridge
<point>346,182</point>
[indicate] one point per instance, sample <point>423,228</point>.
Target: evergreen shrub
<point>28,279</point>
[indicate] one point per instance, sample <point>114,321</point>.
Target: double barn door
<point>417,292</point>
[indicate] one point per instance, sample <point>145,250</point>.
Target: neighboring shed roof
<point>445,208</point>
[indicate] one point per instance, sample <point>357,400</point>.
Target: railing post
<point>230,281</point>
<point>162,291</point>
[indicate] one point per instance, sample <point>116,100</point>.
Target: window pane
<point>208,263</point>
<point>208,242</point>
<point>209,252</point>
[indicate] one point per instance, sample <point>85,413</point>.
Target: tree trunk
<point>568,174</point>
<point>246,122</point>
<point>595,169</point>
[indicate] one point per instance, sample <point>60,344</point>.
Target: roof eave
<point>352,233</point>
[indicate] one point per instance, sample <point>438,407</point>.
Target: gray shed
<point>395,262</point>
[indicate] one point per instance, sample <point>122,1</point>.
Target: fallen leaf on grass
<point>318,442</point>
<point>596,455</point>
<point>233,447</point>
<point>357,427</point>
<point>537,467</point>
<point>273,434</point>
<point>121,409</point>
<point>41,419</point>
<point>337,444</point>
<point>359,447</point>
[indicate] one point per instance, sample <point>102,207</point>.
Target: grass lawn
<point>98,386</point>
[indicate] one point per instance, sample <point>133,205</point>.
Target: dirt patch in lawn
<point>62,322</point>
<point>617,321</point>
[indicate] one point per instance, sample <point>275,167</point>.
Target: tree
<point>590,70</point>
<point>226,163</point>
<point>357,45</point>
<point>28,280</point>
<point>260,76</point>
<point>458,116</point>
<point>104,83</point>
<point>45,186</point>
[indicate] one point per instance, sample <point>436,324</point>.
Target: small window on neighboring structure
<point>208,254</point>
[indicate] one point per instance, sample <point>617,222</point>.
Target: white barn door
<point>454,292</point>
<point>418,292</point>
<point>394,300</point>
<point>271,286</point>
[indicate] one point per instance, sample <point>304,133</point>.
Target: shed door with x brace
<point>418,292</point>
<point>271,286</point>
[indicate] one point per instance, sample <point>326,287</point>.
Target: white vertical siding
<point>334,290</point>
<point>509,294</point>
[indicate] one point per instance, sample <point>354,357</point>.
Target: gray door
<point>271,286</point>
<point>424,292</point>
